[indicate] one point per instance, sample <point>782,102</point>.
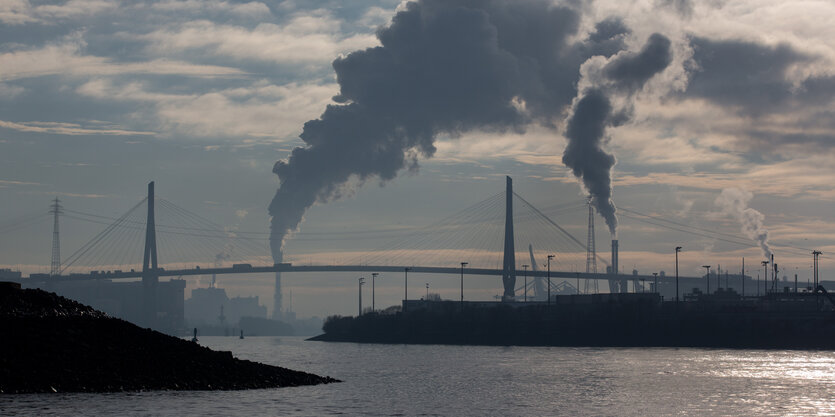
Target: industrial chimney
<point>615,256</point>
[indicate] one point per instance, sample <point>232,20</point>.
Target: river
<point>482,380</point>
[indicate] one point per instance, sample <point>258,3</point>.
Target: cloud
<point>19,12</point>
<point>66,58</point>
<point>260,110</point>
<point>66,194</point>
<point>74,8</point>
<point>16,12</point>
<point>752,78</point>
<point>250,9</point>
<point>302,40</point>
<point>13,182</point>
<point>72,129</point>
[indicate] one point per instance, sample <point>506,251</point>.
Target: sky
<point>716,115</point>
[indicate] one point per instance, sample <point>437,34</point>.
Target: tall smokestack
<point>277,297</point>
<point>615,256</point>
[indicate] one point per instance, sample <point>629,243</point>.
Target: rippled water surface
<point>478,380</point>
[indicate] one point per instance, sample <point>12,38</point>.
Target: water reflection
<point>477,380</point>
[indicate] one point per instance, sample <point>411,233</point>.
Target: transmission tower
<point>591,254</point>
<point>55,210</point>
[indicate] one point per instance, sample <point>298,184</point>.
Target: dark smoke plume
<point>444,66</point>
<point>593,113</point>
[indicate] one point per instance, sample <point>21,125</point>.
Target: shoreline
<point>58,345</point>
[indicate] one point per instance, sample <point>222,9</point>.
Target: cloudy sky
<point>716,107</point>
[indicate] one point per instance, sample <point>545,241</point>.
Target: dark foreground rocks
<point>53,344</point>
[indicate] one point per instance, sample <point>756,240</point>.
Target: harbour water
<point>481,380</point>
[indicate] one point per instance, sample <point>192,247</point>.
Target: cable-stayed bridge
<point>494,237</point>
<point>188,244</point>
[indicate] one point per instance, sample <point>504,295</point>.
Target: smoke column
<point>626,73</point>
<point>734,203</point>
<point>442,67</point>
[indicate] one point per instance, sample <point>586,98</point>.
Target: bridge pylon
<point>150,269</point>
<point>509,264</point>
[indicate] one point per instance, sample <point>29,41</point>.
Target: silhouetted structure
<point>509,263</point>
<point>150,269</point>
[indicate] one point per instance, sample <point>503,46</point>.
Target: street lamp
<point>373,278</point>
<point>463,264</point>
<point>815,255</point>
<point>743,277</point>
<point>549,278</point>
<point>361,281</point>
<point>427,292</point>
<point>405,287</point>
<point>655,278</point>
<point>526,281</point>
<point>707,277</point>
<point>678,249</point>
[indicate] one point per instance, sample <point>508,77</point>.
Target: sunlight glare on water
<point>482,380</point>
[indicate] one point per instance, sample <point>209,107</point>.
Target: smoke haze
<point>734,203</point>
<point>443,67</point>
<point>626,73</point>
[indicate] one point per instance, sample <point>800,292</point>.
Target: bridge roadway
<point>286,267</point>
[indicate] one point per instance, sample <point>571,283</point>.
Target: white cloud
<point>67,58</point>
<point>18,12</point>
<point>251,9</point>
<point>75,8</point>
<point>261,110</point>
<point>72,129</point>
<point>303,40</point>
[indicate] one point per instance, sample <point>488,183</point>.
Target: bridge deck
<point>246,269</point>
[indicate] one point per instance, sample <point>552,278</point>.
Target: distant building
<point>124,299</point>
<point>6,273</point>
<point>207,305</point>
<point>245,307</point>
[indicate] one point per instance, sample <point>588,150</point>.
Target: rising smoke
<point>445,67</point>
<point>734,203</point>
<point>625,74</point>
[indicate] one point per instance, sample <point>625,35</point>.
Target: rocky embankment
<point>53,344</point>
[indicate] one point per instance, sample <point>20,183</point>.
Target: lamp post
<point>361,281</point>
<point>373,278</point>
<point>526,281</point>
<point>678,249</point>
<point>427,292</point>
<point>463,264</point>
<point>655,279</point>
<point>815,255</point>
<point>549,278</point>
<point>707,277</point>
<point>405,287</point>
